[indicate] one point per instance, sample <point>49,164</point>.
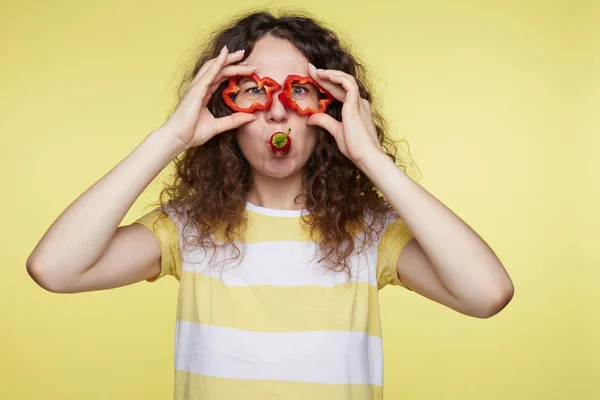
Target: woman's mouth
<point>278,154</point>
<point>280,143</point>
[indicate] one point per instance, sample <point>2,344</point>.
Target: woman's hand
<point>356,135</point>
<point>191,122</point>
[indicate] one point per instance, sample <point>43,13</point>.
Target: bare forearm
<point>465,264</point>
<point>82,232</point>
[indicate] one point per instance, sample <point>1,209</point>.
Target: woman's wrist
<point>168,141</point>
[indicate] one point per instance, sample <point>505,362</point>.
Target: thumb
<point>326,122</point>
<point>233,121</point>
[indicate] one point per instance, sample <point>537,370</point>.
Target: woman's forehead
<point>277,58</point>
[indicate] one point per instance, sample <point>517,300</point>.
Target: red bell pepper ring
<point>286,100</point>
<point>267,83</point>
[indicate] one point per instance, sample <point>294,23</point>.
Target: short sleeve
<point>165,231</point>
<point>395,236</point>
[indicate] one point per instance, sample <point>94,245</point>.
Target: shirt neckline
<point>273,212</point>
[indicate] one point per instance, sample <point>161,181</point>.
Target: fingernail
<point>240,51</point>
<point>252,66</point>
<point>223,49</point>
<point>312,67</point>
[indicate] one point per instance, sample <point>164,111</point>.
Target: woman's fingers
<point>227,72</point>
<point>332,79</point>
<point>367,115</point>
<point>213,70</point>
<point>335,90</point>
<point>229,58</point>
<point>204,80</point>
<point>327,122</point>
<point>232,121</point>
<point>346,81</point>
<point>337,82</point>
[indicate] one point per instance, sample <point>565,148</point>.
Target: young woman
<point>286,216</point>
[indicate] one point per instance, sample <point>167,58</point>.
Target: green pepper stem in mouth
<point>280,139</point>
<point>280,142</point>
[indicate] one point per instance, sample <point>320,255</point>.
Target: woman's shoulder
<point>176,215</point>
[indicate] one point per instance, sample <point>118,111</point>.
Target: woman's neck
<point>278,194</point>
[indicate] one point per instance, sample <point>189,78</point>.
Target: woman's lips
<point>278,154</point>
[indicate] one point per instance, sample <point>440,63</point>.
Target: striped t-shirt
<point>278,325</point>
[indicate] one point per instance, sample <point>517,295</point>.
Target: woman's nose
<point>277,112</point>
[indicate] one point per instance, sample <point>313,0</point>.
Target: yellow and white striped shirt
<point>278,325</point>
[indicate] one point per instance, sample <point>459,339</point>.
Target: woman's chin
<point>279,169</point>
<point>279,166</point>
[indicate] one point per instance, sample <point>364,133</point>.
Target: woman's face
<point>277,58</point>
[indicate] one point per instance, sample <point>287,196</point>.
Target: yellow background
<point>496,100</point>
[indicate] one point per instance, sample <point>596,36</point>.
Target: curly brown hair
<point>212,181</point>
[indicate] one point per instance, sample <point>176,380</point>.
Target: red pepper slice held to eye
<point>232,89</point>
<point>286,100</point>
